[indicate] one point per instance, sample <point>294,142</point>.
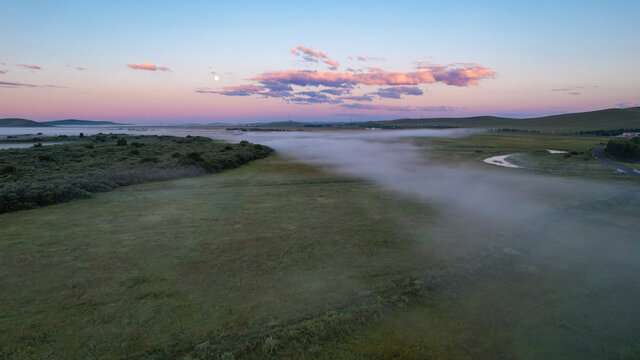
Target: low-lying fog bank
<point>574,242</point>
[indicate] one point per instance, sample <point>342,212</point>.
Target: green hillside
<point>575,122</point>
<point>14,122</point>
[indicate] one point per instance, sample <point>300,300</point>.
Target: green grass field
<point>281,260</point>
<point>135,271</point>
<point>531,150</point>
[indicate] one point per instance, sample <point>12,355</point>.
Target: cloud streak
<point>32,67</point>
<point>397,92</point>
<point>310,55</point>
<point>76,67</point>
<point>239,90</point>
<point>6,84</point>
<point>358,106</point>
<point>148,66</point>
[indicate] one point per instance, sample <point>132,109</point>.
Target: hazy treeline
<point>611,132</point>
<point>44,175</point>
<point>625,149</point>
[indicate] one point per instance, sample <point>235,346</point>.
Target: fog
<point>554,250</point>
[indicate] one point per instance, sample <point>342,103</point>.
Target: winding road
<point>599,154</point>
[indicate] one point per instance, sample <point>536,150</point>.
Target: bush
<point>121,142</point>
<point>8,169</point>
<point>82,168</point>
<point>149,160</point>
<point>625,149</point>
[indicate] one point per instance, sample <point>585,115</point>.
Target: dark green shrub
<point>8,169</point>
<point>176,155</point>
<point>45,157</point>
<point>625,149</point>
<point>195,156</point>
<point>134,152</point>
<point>149,160</point>
<point>137,144</point>
<point>121,142</point>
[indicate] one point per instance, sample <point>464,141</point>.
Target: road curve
<point>599,154</point>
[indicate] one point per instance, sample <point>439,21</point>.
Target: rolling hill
<point>14,122</point>
<point>628,118</point>
<point>74,122</point>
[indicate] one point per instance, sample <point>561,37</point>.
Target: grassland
<point>280,260</point>
<point>153,270</point>
<point>531,152</point>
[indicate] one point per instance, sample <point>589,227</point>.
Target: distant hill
<point>628,118</point>
<point>75,122</point>
<point>13,122</point>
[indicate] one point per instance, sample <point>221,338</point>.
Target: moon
<point>216,78</point>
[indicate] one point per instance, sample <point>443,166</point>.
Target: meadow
<point>420,251</point>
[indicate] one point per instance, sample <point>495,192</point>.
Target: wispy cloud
<point>358,106</point>
<point>310,55</point>
<point>314,97</point>
<point>573,90</point>
<point>3,71</point>
<point>396,92</point>
<point>366,58</point>
<point>627,104</point>
<point>458,74</point>
<point>239,90</point>
<point>7,84</point>
<point>32,67</point>
<point>76,67</point>
<point>148,66</point>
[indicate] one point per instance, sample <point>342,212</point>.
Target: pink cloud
<point>366,58</point>
<point>148,66</point>
<point>574,93</point>
<point>312,53</point>
<point>459,74</point>
<point>374,69</point>
<point>456,75</point>
<point>32,67</point>
<point>3,71</point>
<point>308,54</point>
<point>332,62</point>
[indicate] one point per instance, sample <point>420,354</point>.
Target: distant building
<point>628,135</point>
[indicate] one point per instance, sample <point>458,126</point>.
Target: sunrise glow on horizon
<point>203,62</point>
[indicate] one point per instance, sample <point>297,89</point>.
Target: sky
<point>255,61</point>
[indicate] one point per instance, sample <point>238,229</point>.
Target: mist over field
<point>540,264</point>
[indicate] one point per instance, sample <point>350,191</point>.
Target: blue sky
<point>536,58</point>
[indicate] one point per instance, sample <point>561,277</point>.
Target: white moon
<point>216,78</point>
